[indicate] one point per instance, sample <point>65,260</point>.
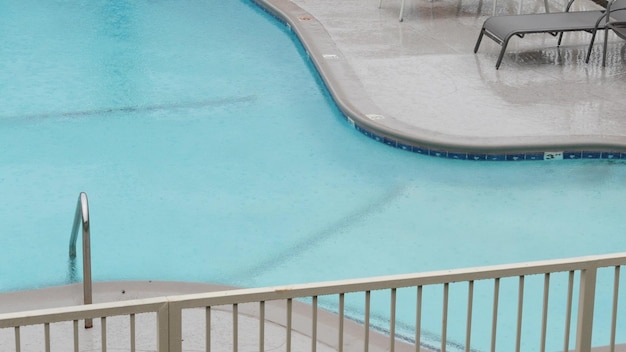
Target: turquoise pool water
<point>211,153</point>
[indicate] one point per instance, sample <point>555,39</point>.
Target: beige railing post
<point>163,328</point>
<point>585,309</point>
<point>175,327</point>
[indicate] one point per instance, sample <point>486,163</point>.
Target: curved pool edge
<point>366,117</point>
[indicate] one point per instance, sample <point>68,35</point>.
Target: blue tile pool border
<point>477,156</point>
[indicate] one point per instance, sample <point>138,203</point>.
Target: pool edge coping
<point>366,117</point>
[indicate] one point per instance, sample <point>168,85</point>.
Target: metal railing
<point>170,330</point>
<point>81,217</point>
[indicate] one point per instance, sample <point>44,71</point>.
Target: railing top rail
<point>54,315</point>
<point>399,281</point>
<point>307,290</point>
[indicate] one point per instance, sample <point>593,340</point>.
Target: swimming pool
<point>213,162</point>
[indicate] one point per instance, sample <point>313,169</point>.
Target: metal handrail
<point>81,216</point>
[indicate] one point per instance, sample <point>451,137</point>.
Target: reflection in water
<point>210,103</point>
<point>72,274</point>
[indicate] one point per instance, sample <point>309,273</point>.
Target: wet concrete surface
<point>419,80</point>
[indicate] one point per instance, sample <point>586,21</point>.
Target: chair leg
<point>401,11</point>
<point>593,38</point>
<point>606,38</point>
<point>504,44</point>
<point>380,3</point>
<point>480,38</point>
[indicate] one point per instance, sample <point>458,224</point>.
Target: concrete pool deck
<point>418,84</point>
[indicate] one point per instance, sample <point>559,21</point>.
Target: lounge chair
<point>615,21</point>
<point>502,28</point>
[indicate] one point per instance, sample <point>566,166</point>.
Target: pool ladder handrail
<point>81,216</point>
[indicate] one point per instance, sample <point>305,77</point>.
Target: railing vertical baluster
<point>614,315</point>
<point>494,318</point>
<point>314,325</point>
<point>207,326</point>
<point>418,319</point>
<point>586,301</point>
<point>520,310</point>
<point>341,317</point>
<point>75,323</point>
<point>18,344</point>
<point>262,326</point>
<point>289,316</point>
<point>366,341</point>
<point>568,309</point>
<point>103,332</point>
<point>544,312</point>
<point>132,333</point>
<point>392,320</point>
<point>470,306</point>
<point>46,328</point>
<point>17,339</point>
<point>236,328</point>
<point>444,317</point>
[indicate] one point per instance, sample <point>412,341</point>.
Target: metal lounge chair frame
<point>615,21</point>
<point>502,28</point>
